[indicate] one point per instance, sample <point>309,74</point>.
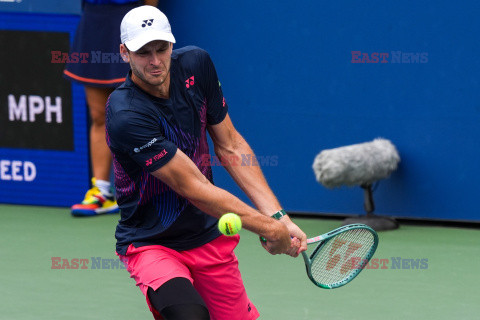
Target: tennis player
<point>157,124</point>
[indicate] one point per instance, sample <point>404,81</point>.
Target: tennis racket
<point>340,255</point>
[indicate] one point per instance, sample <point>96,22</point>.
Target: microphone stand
<point>377,223</point>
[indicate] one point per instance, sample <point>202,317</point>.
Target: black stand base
<point>377,223</point>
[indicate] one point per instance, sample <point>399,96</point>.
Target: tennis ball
<point>230,224</point>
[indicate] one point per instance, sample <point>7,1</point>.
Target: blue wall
<point>42,6</point>
<point>287,73</point>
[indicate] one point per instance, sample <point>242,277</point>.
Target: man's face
<point>151,63</point>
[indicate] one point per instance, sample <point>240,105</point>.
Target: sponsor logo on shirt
<point>137,150</point>
<point>157,157</point>
<point>190,82</point>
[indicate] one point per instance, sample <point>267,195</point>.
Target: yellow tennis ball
<point>230,224</point>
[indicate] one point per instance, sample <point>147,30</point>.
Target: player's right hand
<point>279,241</point>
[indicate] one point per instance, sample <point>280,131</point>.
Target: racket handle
<point>265,240</point>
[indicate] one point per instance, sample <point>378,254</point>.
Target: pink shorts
<point>212,269</point>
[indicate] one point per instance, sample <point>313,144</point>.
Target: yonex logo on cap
<point>148,22</point>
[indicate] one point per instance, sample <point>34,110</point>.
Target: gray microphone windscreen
<point>358,164</point>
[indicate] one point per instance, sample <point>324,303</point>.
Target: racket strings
<point>342,256</point>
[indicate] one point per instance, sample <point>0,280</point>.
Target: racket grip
<point>265,240</point>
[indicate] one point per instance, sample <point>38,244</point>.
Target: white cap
<point>142,25</point>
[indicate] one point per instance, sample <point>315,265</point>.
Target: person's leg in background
<point>100,156</point>
<point>99,31</point>
<point>100,198</point>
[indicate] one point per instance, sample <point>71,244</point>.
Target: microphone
<point>358,164</point>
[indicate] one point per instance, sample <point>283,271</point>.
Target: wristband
<point>279,214</point>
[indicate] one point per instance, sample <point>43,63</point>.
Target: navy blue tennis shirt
<point>143,133</point>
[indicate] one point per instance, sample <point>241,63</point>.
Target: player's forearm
<point>216,201</point>
<point>249,177</point>
<point>181,174</point>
